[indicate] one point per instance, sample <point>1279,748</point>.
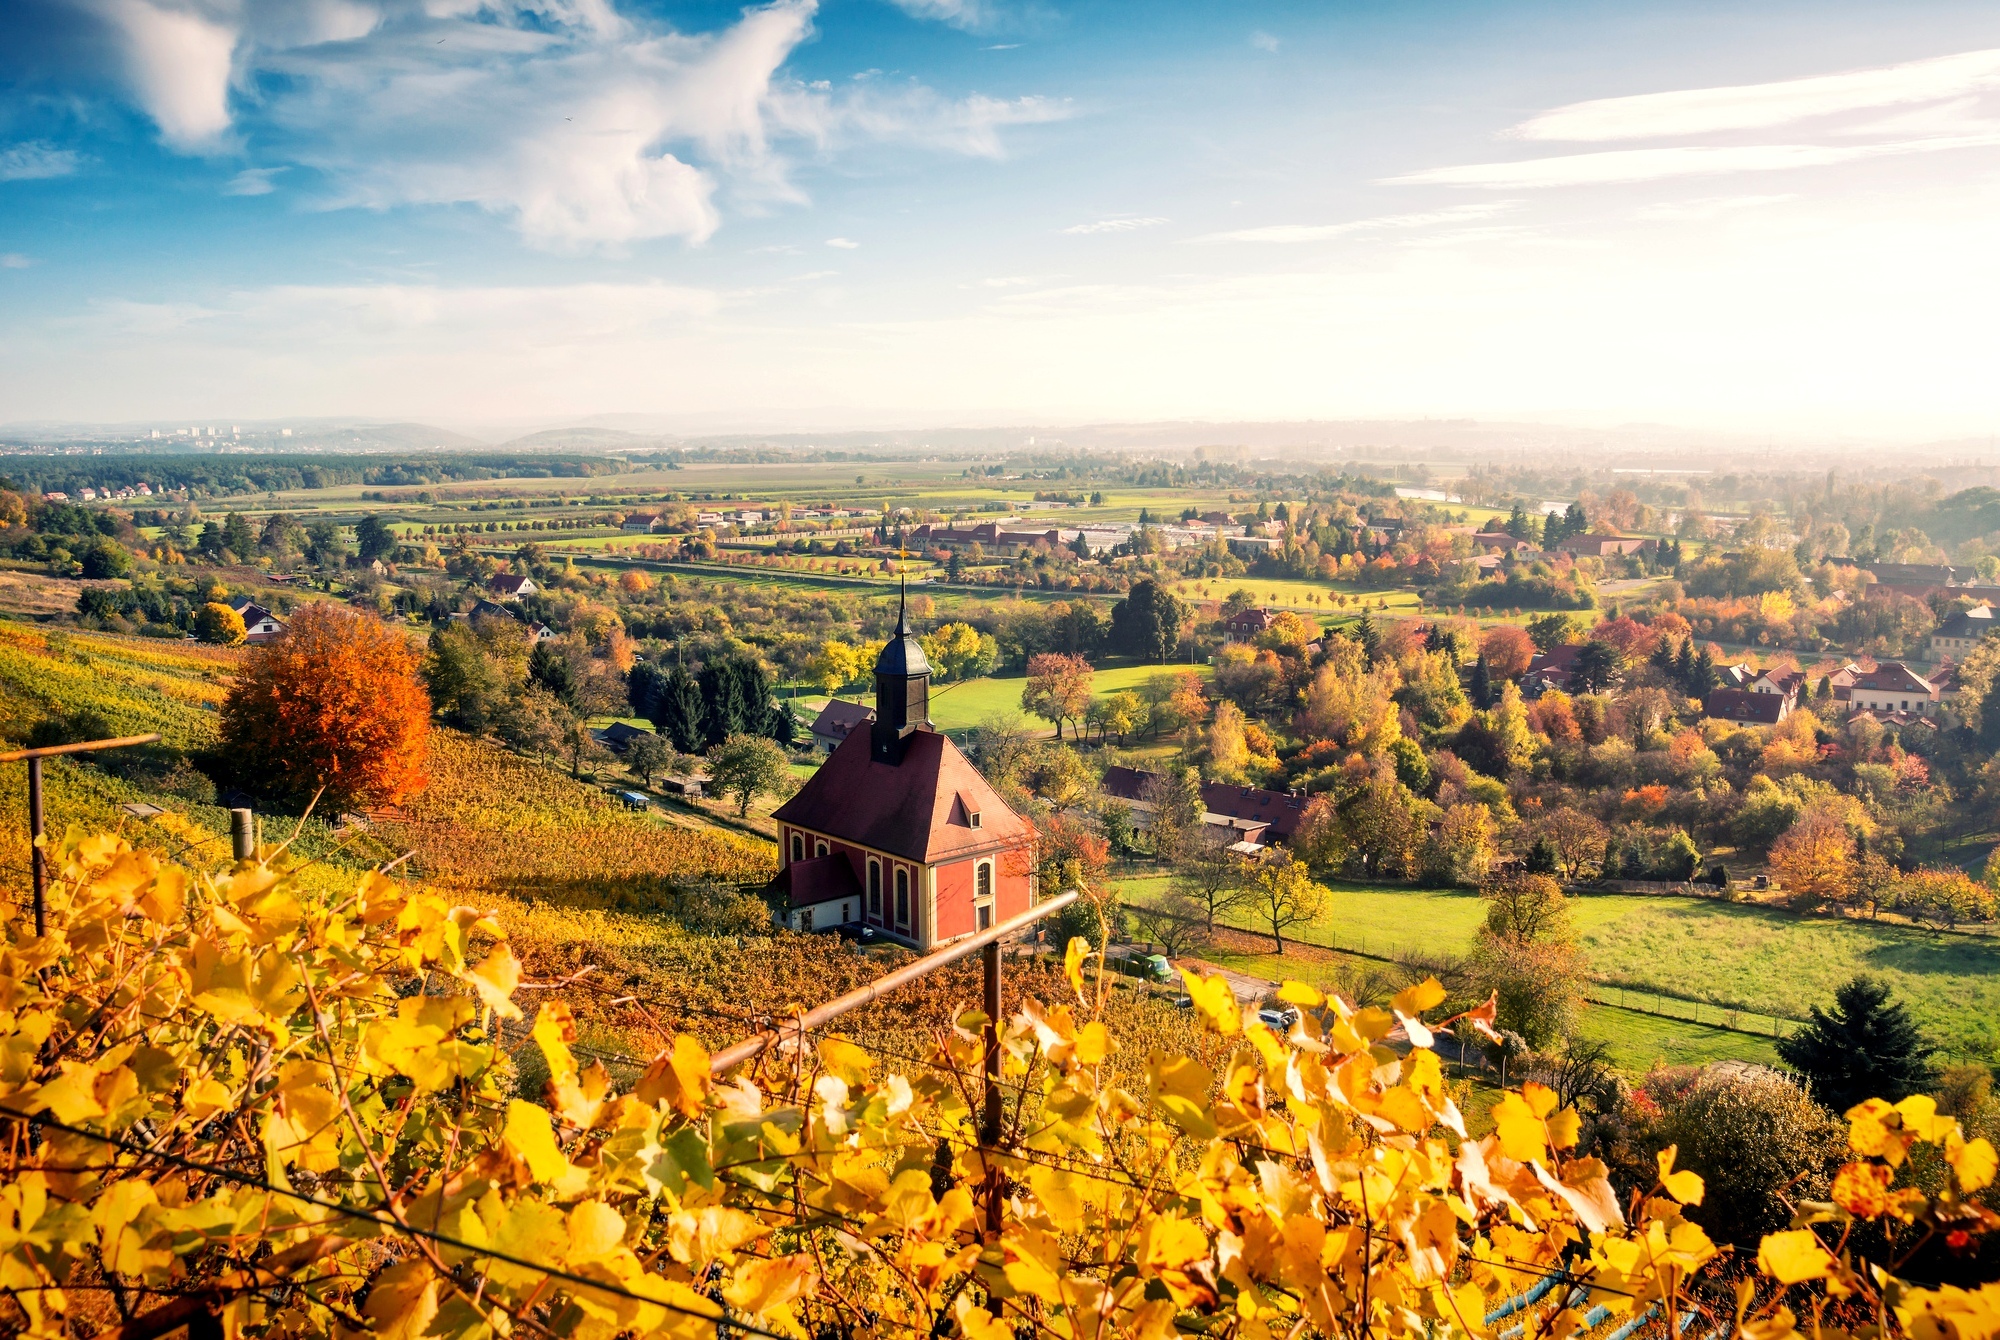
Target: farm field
<point>1311,597</point>
<point>957,708</point>
<point>1732,956</point>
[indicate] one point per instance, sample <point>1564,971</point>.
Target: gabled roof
<point>1281,811</point>
<point>1893,677</point>
<point>1763,709</point>
<point>510,583</point>
<point>904,809</point>
<point>1127,783</point>
<point>837,718</point>
<point>819,879</point>
<point>617,735</point>
<point>1975,622</point>
<point>252,613</point>
<point>1561,657</point>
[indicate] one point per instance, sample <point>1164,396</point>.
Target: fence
<point>38,861</point>
<point>1707,1014</point>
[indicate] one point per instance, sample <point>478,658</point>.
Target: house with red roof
<point>1893,687</point>
<point>897,832</point>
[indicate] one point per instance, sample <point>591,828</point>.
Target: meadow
<point>1710,954</point>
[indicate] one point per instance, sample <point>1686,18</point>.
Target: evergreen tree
<point>1684,668</point>
<point>1574,521</point>
<point>1518,524</point>
<point>1865,1047</point>
<point>1552,530</point>
<point>1365,633</point>
<point>644,687</point>
<point>1542,858</point>
<point>679,713</point>
<point>550,668</point>
<point>1704,674</point>
<point>238,537</point>
<point>1482,683</point>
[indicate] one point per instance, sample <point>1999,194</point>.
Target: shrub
<point>1751,1134</point>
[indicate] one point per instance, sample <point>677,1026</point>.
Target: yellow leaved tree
<point>236,1107</point>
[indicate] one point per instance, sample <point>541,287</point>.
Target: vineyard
<point>133,686</point>
<point>494,822</point>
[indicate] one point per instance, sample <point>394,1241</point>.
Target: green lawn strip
<point>1638,1040</point>
<point>1723,955</point>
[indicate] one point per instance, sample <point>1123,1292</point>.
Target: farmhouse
<point>641,525</point>
<point>1894,687</point>
<point>259,624</point>
<point>897,831</point>
<point>1961,632</point>
<point>1246,624</point>
<point>512,585</point>
<point>836,721</point>
<point>618,737</point>
<point>1747,705</point>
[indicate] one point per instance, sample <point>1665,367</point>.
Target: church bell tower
<point>902,690</point>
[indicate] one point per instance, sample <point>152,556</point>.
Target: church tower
<point>902,690</point>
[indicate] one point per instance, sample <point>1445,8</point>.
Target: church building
<point>897,831</point>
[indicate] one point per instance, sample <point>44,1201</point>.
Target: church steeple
<point>902,689</point>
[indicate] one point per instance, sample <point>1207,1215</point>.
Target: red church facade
<point>897,831</point>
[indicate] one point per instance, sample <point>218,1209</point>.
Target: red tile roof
<point>1893,677</point>
<point>1764,709</point>
<point>838,717</point>
<point>905,809</point>
<point>1281,811</point>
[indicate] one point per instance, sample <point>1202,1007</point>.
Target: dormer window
<point>972,818</point>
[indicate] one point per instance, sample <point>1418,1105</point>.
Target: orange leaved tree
<point>332,707</point>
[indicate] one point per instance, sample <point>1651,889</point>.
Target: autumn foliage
<point>239,1109</point>
<point>332,708</point>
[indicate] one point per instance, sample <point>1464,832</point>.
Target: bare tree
<point>1175,922</point>
<point>1209,875</point>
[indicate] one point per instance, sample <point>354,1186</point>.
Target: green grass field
<point>957,708</point>
<point>1729,956</point>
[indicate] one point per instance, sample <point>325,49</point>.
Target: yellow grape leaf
<point>1523,1137</point>
<point>1300,994</point>
<point>555,1029</point>
<point>1920,1118</point>
<point>1214,1002</point>
<point>495,979</point>
<point>403,1300</point>
<point>1685,1187</point>
<point>530,1134</point>
<point>679,1075</point>
<point>1093,1043</point>
<point>1564,1127</point>
<point>845,1059</point>
<point>1169,1242</point>
<point>975,1323</point>
<point>760,1287</point>
<point>1862,1189</point>
<point>1793,1256</point>
<point>1539,1097</point>
<point>1414,1000</point>
<point>1974,1162</point>
<point>595,1231</point>
<point>1949,1313</point>
<point>1074,958</point>
<point>1179,1087</point>
<point>1780,1325</point>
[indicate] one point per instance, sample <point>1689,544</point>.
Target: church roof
<point>902,654</point>
<point>920,809</point>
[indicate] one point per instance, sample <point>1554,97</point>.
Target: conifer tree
<point>1865,1047</point>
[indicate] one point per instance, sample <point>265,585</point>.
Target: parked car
<point>1280,1019</point>
<point>1149,967</point>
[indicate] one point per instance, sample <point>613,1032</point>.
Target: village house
<point>1746,706</point>
<point>641,525</point>
<point>836,721</point>
<point>1499,539</point>
<point>1549,670</point>
<point>1960,633</point>
<point>897,832</point>
<point>618,737</point>
<point>1893,688</point>
<point>259,624</point>
<point>1246,624</point>
<point>512,585</point>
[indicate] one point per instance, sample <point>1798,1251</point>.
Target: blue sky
<point>867,213</point>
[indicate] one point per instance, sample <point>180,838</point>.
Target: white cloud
<point>253,181</point>
<point>32,160</point>
<point>844,244</point>
<point>1753,106</point>
<point>1115,225</point>
<point>1263,41</point>
<point>583,126</point>
<point>14,260</point>
<point>1635,165</point>
<point>1321,232</point>
<point>177,60</point>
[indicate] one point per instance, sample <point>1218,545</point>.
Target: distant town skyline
<point>860,213</point>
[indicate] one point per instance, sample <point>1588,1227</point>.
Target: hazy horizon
<point>862,216</point>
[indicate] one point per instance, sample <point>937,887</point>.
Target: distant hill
<point>585,439</point>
